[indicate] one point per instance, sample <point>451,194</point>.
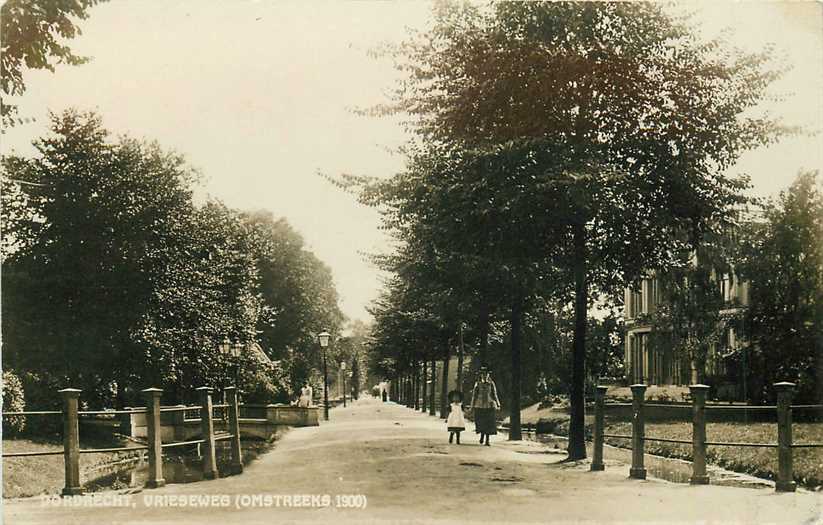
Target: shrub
<point>41,394</point>
<point>263,382</point>
<point>13,401</point>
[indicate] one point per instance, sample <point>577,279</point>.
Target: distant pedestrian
<point>484,406</point>
<point>456,423</point>
<point>306,394</point>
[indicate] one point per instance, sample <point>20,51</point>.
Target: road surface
<point>399,462</point>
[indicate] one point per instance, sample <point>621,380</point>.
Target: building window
<point>650,296</point>
<point>727,287</point>
<point>634,303</point>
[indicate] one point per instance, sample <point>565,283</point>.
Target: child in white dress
<point>455,423</point>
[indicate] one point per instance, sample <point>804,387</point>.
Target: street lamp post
<point>343,373</point>
<point>323,338</point>
<point>225,348</point>
<point>237,349</point>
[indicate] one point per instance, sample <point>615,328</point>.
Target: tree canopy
<point>114,279</point>
<point>572,147</point>
<point>783,264</point>
<point>32,36</point>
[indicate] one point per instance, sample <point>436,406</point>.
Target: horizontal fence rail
<point>34,413</point>
<point>112,449</point>
<point>183,443</point>
<point>181,408</point>
<point>37,453</point>
<point>227,413</point>
<point>785,476</point>
<point>111,412</point>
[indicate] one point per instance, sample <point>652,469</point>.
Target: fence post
<point>153,433</point>
<point>785,474</point>
<point>699,476</point>
<point>599,420</point>
<point>207,428</point>
<point>71,441</point>
<point>234,429</point>
<point>637,470</point>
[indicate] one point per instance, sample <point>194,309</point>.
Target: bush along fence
<point>785,477</point>
<point>71,434</point>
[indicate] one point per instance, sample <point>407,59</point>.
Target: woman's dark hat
<point>456,396</point>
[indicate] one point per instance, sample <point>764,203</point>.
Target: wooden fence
<point>71,434</point>
<point>785,391</point>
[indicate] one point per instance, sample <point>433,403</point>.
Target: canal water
<point>181,465</point>
<point>667,469</point>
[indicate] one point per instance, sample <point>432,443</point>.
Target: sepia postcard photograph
<point>411,262</point>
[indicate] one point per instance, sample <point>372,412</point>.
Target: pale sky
<point>257,96</point>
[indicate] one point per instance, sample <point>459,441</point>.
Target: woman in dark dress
<point>484,406</point>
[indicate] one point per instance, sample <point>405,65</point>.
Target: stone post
<point>207,428</point>
<point>785,475</point>
<point>599,420</point>
<point>234,429</point>
<point>637,470</point>
<point>153,433</point>
<point>71,441</point>
<point>699,476</point>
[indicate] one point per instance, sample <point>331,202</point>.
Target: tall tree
<point>691,316</point>
<point>613,122</point>
<point>118,280</point>
<point>783,263</point>
<point>32,36</point>
<point>298,295</point>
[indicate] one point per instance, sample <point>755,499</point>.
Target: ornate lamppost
<point>323,339</point>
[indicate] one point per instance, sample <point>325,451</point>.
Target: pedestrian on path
<point>306,394</point>
<point>456,423</point>
<point>484,405</point>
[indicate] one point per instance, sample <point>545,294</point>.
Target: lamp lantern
<point>324,337</point>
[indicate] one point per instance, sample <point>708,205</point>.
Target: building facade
<point>650,356</point>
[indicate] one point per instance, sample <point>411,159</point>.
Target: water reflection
<point>181,465</point>
<point>672,470</point>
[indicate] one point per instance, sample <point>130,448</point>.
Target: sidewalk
<point>401,461</point>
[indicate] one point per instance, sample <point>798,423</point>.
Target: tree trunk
<point>577,436</point>
<point>409,389</point>
<point>444,388</point>
<point>423,384</point>
<point>460,358</point>
<point>483,326</point>
<point>514,408</point>
<point>416,385</point>
<point>698,360</point>
<point>431,389</point>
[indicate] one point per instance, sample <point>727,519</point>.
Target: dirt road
<point>400,464</point>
